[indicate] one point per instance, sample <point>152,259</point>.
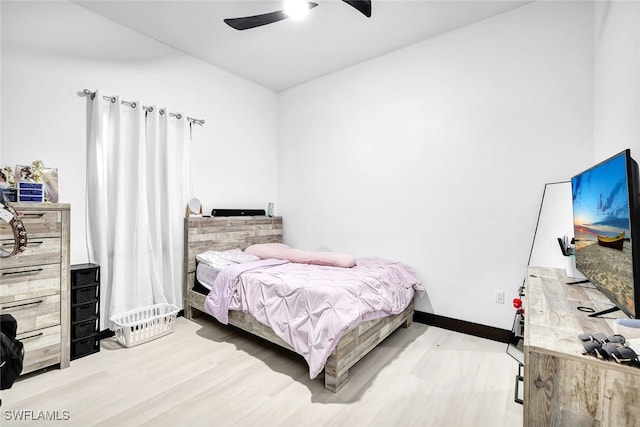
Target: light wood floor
<point>204,374</point>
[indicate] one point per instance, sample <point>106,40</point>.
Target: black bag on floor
<point>11,351</point>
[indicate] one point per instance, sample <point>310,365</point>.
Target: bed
<point>227,233</point>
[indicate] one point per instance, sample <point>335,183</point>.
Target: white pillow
<point>219,259</point>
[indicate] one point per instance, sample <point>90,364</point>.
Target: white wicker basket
<point>144,324</point>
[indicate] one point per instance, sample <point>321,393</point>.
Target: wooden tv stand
<point>563,387</point>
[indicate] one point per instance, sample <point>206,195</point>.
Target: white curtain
<point>137,187</point>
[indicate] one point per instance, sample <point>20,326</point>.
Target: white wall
<point>52,50</point>
<point>437,154</point>
<point>616,79</point>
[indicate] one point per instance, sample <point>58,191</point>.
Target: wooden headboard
<point>222,233</point>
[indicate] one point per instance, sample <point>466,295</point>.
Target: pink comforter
<point>310,307</point>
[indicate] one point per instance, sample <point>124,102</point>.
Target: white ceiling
<point>287,53</point>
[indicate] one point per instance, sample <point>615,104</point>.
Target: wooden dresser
<point>563,387</point>
<point>34,285</point>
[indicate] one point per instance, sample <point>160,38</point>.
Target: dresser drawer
<point>41,348</point>
<point>29,282</point>
<point>39,251</point>
<point>34,313</point>
<point>37,224</point>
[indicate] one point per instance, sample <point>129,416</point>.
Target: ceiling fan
<point>247,22</point>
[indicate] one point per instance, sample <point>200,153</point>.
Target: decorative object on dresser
<point>7,177</point>
<point>35,284</point>
<point>85,310</point>
<point>9,215</point>
<point>8,183</point>
<point>231,233</point>
<point>11,193</point>
<point>30,192</point>
<point>194,208</point>
<point>37,183</point>
<point>562,385</point>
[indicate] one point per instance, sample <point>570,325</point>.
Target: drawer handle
<point>23,273</point>
<point>22,305</point>
<point>39,334</point>
<point>31,243</point>
<point>32,215</point>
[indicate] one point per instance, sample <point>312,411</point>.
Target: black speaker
<point>237,212</point>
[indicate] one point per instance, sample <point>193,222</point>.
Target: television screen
<point>605,206</point>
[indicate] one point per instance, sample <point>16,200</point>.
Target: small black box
<point>238,212</point>
<point>84,329</point>
<point>86,293</point>
<point>84,311</point>
<point>84,346</point>
<point>85,276</point>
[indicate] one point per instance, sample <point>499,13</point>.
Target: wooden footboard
<point>359,341</point>
<point>203,234</point>
<point>353,346</point>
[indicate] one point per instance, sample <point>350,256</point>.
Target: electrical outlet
<point>499,297</point>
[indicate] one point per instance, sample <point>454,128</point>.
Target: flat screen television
<point>606,211</point>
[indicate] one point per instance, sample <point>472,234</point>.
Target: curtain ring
<point>113,99</point>
<point>150,109</point>
<point>133,105</point>
<point>161,112</point>
<point>178,116</point>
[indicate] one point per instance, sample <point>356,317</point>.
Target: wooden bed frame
<point>223,233</point>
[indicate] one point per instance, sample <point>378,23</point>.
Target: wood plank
<point>564,387</point>
<point>38,220</point>
<point>45,250</point>
<point>34,313</point>
<point>41,348</point>
<point>29,282</point>
<point>65,287</point>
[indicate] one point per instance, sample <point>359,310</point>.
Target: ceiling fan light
<point>296,9</point>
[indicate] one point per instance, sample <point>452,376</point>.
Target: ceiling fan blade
<point>363,6</point>
<point>248,22</point>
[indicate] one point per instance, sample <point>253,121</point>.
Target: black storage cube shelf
<point>84,329</point>
<point>85,310</point>
<point>86,275</point>
<point>84,346</point>
<point>85,293</point>
<point>80,312</point>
